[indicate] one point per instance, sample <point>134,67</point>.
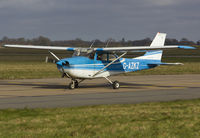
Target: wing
<point>111,49</point>
<point>157,43</point>
<point>132,48</point>
<point>42,47</point>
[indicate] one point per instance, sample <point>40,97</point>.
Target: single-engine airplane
<point>91,63</point>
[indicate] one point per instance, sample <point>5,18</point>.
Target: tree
<point>5,39</point>
<point>143,42</point>
<point>21,41</point>
<point>41,40</point>
<point>185,41</point>
<point>198,42</point>
<point>171,41</point>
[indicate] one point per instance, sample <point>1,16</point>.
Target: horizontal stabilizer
<point>157,64</point>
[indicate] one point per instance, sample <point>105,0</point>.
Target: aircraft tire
<point>76,84</point>
<point>116,85</point>
<point>72,85</point>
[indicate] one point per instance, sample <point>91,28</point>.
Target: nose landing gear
<point>74,84</point>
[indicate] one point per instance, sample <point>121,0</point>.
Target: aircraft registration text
<point>131,65</point>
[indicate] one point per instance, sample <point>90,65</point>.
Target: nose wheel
<point>74,84</point>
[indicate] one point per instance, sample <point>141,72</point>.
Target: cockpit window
<point>85,54</point>
<point>102,57</point>
<point>76,53</point>
<point>91,55</point>
<point>112,57</point>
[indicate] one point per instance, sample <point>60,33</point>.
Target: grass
<point>165,119</point>
<point>33,70</point>
<point>187,68</point>
<point>29,63</point>
<point>28,70</point>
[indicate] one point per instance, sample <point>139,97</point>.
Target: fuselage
<point>82,67</point>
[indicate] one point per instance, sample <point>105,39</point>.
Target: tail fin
<point>159,40</point>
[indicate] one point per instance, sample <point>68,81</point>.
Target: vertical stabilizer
<point>159,40</point>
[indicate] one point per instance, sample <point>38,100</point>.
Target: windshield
<point>84,54</point>
<point>100,56</point>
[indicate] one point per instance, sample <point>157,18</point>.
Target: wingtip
<point>186,47</point>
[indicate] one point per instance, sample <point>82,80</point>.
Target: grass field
<point>187,68</point>
<point>167,119</point>
<point>29,70</point>
<point>29,63</point>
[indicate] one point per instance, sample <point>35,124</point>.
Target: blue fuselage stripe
<point>122,65</point>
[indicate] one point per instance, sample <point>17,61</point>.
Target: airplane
<point>92,63</point>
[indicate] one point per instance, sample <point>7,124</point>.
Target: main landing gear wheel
<point>116,85</point>
<point>72,85</point>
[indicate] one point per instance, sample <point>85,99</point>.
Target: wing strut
<point>54,55</point>
<point>109,64</point>
<point>92,44</point>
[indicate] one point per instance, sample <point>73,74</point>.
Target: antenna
<point>92,43</point>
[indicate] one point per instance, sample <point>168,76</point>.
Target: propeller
<point>61,63</point>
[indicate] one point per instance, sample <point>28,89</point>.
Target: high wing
<point>42,47</point>
<point>157,43</point>
<point>110,49</point>
<point>132,48</point>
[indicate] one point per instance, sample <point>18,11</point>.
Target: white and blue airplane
<point>91,63</point>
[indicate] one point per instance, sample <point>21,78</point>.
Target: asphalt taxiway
<point>50,93</point>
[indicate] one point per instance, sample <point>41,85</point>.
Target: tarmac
<point>53,93</point>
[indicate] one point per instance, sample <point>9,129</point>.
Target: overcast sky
<point>100,19</point>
